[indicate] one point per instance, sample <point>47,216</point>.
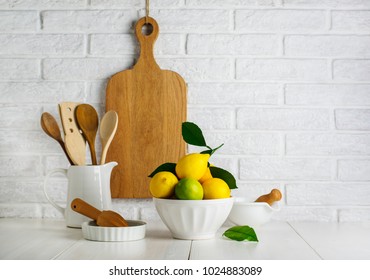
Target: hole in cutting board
<point>147,29</point>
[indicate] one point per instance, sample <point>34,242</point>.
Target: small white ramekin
<point>134,231</point>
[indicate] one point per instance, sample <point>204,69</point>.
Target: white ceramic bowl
<point>253,214</point>
<point>193,219</point>
<point>134,231</point>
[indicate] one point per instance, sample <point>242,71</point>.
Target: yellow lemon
<point>162,185</point>
<point>192,166</point>
<point>189,188</point>
<point>207,175</point>
<point>215,188</point>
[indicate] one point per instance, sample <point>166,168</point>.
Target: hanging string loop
<point>146,10</point>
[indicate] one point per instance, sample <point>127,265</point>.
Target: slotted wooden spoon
<point>51,128</point>
<point>88,121</point>
<point>106,218</point>
<point>270,198</point>
<point>74,141</point>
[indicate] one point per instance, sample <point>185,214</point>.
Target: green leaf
<point>211,151</point>
<point>224,175</point>
<point>192,134</point>
<point>215,149</point>
<point>168,166</point>
<point>207,152</point>
<point>240,233</point>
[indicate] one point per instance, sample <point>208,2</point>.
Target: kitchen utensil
<point>108,128</point>
<point>106,218</point>
<point>253,214</point>
<point>88,121</point>
<point>270,198</point>
<point>90,183</point>
<point>134,231</point>
<point>151,107</point>
<point>51,128</point>
<point>74,141</point>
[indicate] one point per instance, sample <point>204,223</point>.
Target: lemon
<point>215,188</point>
<point>192,166</point>
<point>162,185</point>
<point>189,188</point>
<point>207,175</point>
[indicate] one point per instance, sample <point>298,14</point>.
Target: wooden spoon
<point>106,218</point>
<point>108,128</point>
<point>270,198</point>
<point>51,128</point>
<point>88,121</point>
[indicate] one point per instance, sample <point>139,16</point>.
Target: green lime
<point>189,188</point>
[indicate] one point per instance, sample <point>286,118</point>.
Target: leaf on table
<point>240,233</point>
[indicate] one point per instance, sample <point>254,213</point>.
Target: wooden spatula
<point>73,140</point>
<point>105,218</point>
<point>270,198</point>
<point>151,107</point>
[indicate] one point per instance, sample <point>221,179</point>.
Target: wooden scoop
<point>102,218</point>
<point>274,195</point>
<point>51,128</point>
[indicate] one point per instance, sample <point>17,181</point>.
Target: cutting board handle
<point>146,58</point>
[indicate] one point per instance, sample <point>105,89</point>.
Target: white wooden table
<point>49,239</point>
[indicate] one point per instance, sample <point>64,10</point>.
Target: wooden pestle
<point>270,198</point>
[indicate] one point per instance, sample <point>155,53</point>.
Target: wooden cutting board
<point>151,106</point>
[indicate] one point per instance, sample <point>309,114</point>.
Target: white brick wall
<point>285,84</point>
<point>280,20</point>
